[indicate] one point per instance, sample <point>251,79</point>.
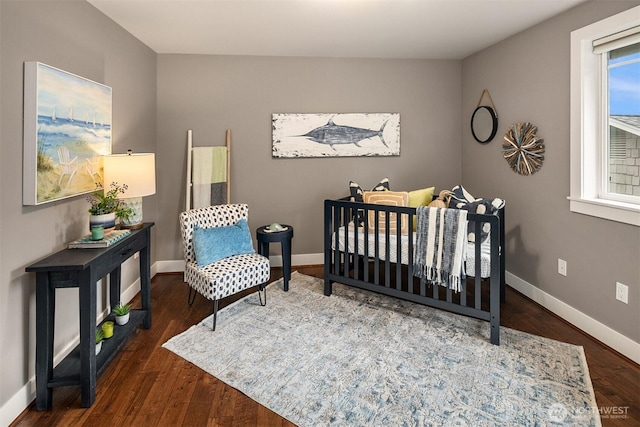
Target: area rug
<point>361,359</point>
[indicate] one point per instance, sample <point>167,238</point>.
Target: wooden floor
<point>147,385</point>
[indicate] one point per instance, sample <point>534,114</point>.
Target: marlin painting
<point>332,134</point>
<point>297,135</point>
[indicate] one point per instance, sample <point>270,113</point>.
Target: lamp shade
<point>136,170</point>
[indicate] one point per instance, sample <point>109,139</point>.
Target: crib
<point>381,260</point>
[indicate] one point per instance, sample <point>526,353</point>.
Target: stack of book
<point>109,239</point>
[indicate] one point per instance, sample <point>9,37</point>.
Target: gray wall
<point>528,78</point>
<point>210,94</point>
<point>75,37</point>
<point>527,75</point>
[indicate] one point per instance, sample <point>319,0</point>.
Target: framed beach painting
<point>67,130</point>
<point>335,135</point>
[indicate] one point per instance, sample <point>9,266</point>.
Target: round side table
<point>264,237</point>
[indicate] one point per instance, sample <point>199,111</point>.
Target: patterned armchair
<point>226,276</point>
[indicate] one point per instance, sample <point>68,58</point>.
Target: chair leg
<point>192,296</point>
<point>262,289</point>
<point>215,313</point>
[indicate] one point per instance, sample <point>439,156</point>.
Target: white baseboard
<point>591,326</point>
<point>170,266</point>
<point>23,397</point>
<point>16,404</point>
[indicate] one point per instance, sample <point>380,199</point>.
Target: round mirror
<point>484,124</point>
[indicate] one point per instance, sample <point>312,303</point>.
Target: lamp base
<point>135,219</point>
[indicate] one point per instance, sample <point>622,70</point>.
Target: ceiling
<point>443,29</point>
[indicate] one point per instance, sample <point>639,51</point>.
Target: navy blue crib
<point>380,260</point>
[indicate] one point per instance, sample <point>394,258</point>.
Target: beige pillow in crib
<point>389,198</point>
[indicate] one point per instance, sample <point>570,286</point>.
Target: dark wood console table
<point>83,268</point>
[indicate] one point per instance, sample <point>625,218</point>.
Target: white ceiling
<point>443,29</point>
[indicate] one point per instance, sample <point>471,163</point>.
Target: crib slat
<point>399,251</point>
<point>336,224</point>
<point>477,263</point>
<point>350,253</point>
<point>356,248</point>
<point>366,248</point>
<point>387,252</point>
<point>376,241</point>
<point>410,252</point>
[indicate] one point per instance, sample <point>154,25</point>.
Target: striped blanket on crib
<point>441,245</point>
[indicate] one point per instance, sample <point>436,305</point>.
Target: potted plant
<point>106,207</point>
<point>99,338</point>
<point>122,313</point>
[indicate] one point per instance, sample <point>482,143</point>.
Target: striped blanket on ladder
<point>441,246</point>
<point>209,176</point>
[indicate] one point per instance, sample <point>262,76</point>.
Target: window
<point>623,157</point>
<point>605,118</point>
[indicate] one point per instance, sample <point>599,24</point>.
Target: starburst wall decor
<point>523,149</point>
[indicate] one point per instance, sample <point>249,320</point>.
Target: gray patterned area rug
<point>361,359</point>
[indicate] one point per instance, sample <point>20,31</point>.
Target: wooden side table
<point>284,237</point>
<point>82,268</point>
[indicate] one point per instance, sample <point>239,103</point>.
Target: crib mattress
<point>485,249</point>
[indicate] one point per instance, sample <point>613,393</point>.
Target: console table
<point>83,268</point>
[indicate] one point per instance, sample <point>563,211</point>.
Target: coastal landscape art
<point>335,135</point>
<point>67,130</point>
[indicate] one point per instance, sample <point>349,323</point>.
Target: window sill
<point>627,213</point>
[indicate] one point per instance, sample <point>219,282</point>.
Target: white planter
<point>108,221</point>
<point>122,320</point>
<point>98,347</point>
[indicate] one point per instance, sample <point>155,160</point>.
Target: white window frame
<point>587,122</point>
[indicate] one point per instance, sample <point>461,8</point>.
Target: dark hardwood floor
<point>147,385</point>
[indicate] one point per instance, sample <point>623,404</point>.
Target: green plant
<point>121,309</point>
<point>104,202</point>
<point>99,335</point>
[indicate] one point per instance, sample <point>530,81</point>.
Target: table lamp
<point>138,172</point>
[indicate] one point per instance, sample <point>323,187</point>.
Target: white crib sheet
<point>485,249</point>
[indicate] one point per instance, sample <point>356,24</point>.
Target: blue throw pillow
<point>213,244</point>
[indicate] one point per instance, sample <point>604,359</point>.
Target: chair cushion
<point>207,217</point>
<point>213,244</point>
<point>228,275</point>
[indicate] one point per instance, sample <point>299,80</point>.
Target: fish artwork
<point>300,135</point>
<point>332,134</point>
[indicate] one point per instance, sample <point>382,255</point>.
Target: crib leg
<point>494,310</point>
<point>495,331</point>
<point>328,287</point>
